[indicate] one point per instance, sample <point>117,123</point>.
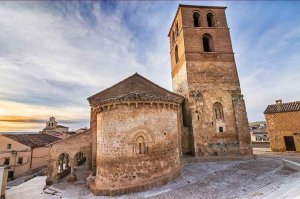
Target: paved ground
<point>230,179</point>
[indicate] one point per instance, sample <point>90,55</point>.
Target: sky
<point>53,55</point>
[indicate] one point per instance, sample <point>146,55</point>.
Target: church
<point>140,132</point>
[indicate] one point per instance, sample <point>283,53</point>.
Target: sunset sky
<point>53,55</point>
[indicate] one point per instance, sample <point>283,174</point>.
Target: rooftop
<point>192,6</point>
<point>33,140</point>
<point>280,107</point>
<point>134,88</point>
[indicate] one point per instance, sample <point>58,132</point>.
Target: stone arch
<point>211,19</point>
<point>218,111</point>
<point>140,141</point>
<point>63,162</point>
<point>207,43</point>
<point>79,158</point>
<point>197,19</point>
<point>219,117</point>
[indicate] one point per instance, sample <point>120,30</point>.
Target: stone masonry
<point>283,124</point>
<point>208,79</point>
<point>139,131</point>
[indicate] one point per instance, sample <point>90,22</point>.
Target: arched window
<point>207,43</point>
<point>210,20</point>
<point>196,18</point>
<point>173,37</point>
<point>141,147</point>
<point>218,110</point>
<point>176,29</point>
<point>176,54</point>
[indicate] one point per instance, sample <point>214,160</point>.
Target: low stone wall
<point>291,165</point>
<point>164,179</point>
<point>261,144</point>
<point>217,158</point>
<point>64,173</point>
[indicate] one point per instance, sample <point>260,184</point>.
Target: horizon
<point>54,55</point>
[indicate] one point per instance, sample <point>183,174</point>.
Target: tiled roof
<point>61,126</point>
<point>134,88</point>
<point>283,107</point>
<point>70,132</point>
<point>33,140</point>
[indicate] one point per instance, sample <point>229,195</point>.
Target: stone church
<point>139,131</point>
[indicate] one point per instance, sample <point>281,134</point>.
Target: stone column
<point>87,162</point>
<point>67,161</point>
<point>61,165</point>
<point>72,177</point>
<point>52,171</point>
<point>93,128</point>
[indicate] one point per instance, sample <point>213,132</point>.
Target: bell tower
<point>204,71</point>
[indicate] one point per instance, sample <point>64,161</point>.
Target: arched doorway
<point>64,167</point>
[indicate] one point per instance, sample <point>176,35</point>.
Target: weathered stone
<point>208,80</point>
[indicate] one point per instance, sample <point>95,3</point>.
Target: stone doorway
<point>289,143</point>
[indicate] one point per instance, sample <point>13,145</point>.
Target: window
<point>173,37</point>
<point>221,129</point>
<point>6,161</point>
<point>20,160</point>
<point>207,43</point>
<point>210,20</point>
<point>196,18</point>
<point>8,146</point>
<point>141,148</point>
<point>176,54</point>
<point>176,30</point>
<point>218,110</point>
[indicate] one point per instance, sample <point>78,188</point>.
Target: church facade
<point>139,131</point>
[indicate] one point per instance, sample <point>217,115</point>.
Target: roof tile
<point>283,107</point>
<point>134,88</point>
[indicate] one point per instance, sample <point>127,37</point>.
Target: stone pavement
<point>263,177</point>
<point>287,188</point>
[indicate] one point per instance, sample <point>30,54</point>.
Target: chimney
<point>3,180</point>
<point>278,102</point>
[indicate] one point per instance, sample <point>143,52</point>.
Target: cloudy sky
<point>53,55</point>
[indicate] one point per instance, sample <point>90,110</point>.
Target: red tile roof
<point>33,140</point>
<point>134,88</point>
<point>283,107</point>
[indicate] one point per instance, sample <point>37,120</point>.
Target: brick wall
<point>205,78</point>
<point>280,125</point>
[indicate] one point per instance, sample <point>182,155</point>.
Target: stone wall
<point>280,125</point>
<point>206,78</point>
<point>80,142</point>
<point>121,167</point>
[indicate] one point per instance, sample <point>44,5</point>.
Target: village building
<point>258,131</point>
<point>139,131</point>
<point>283,125</point>
<point>54,129</point>
<point>25,153</point>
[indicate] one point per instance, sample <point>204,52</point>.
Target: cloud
<point>267,51</point>
<point>53,55</point>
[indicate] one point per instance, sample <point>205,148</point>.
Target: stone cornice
<point>137,104</point>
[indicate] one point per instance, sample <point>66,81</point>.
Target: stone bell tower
<point>204,72</point>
